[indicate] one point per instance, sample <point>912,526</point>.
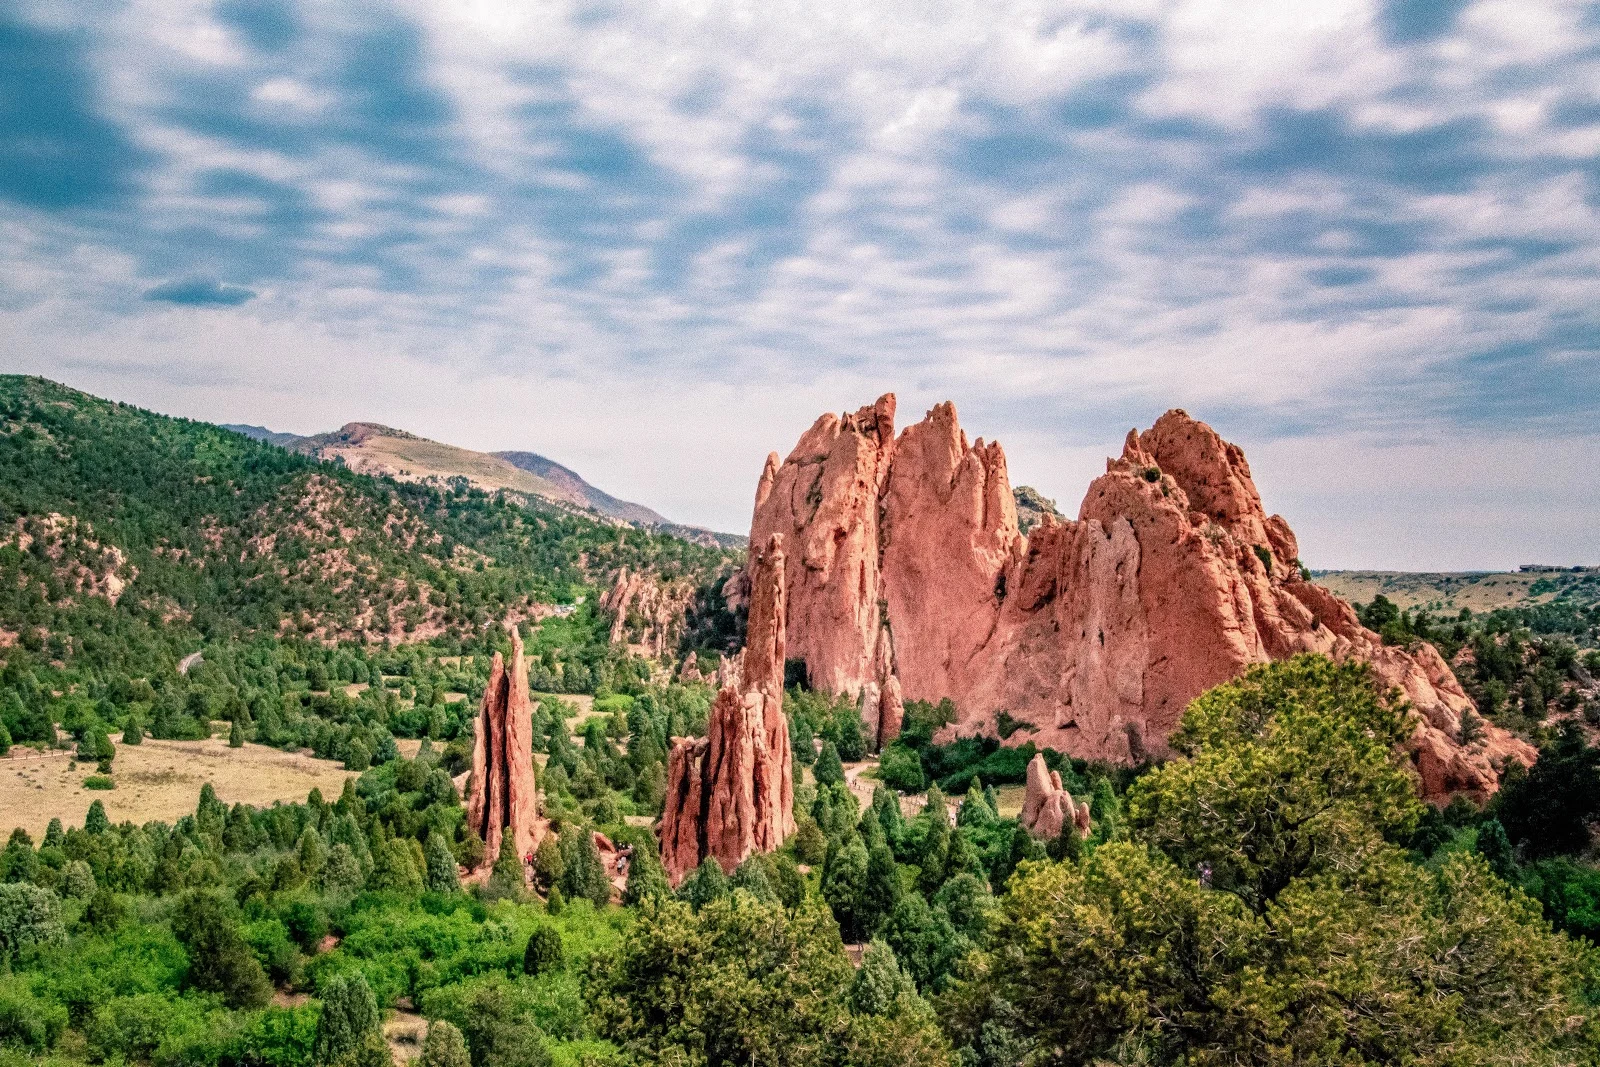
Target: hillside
<point>371,448</point>
<point>129,537</point>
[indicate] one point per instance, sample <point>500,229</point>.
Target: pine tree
<point>5,740</point>
<point>828,770</point>
<point>349,1015</point>
<point>879,982</point>
<point>133,730</point>
<point>646,878</point>
<point>236,735</point>
<point>1495,848</point>
<point>507,879</point>
<point>544,953</point>
<point>706,884</point>
<point>96,822</point>
<point>585,875</point>
<point>442,875</point>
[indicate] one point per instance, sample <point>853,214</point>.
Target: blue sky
<point>655,240</point>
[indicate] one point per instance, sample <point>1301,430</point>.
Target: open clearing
<point>156,780</point>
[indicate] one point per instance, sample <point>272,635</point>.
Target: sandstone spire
<point>731,793</point>
<point>910,572</point>
<point>503,793</point>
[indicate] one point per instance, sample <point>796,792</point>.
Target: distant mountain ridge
<point>373,448</point>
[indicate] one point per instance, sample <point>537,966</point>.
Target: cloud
<point>200,292</point>
<point>1364,221</point>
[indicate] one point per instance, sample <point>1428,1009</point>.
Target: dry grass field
<point>1447,593</point>
<point>156,780</point>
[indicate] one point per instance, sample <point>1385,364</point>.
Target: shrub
<point>220,960</point>
<point>901,769</point>
<point>444,1046</point>
<point>28,1020</point>
<point>99,781</point>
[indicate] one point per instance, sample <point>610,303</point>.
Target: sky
<point>655,240</point>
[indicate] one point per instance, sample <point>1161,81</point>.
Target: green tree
<point>442,875</point>
<point>349,1016</point>
<point>879,981</point>
<point>5,740</point>
<point>1291,771</point>
<point>220,960</point>
<point>585,874</point>
<point>444,1046</point>
<point>236,735</point>
<point>133,729</point>
<point>646,878</point>
<point>96,821</point>
<point>393,869</point>
<point>705,884</point>
<point>29,917</point>
<point>1495,848</point>
<point>544,954</point>
<point>548,863</point>
<point>828,770</point>
<point>508,878</point>
<point>500,1032</point>
<point>740,981</point>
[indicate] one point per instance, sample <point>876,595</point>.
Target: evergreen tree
<point>879,982</point>
<point>548,863</point>
<point>1495,848</point>
<point>844,886</point>
<point>507,880</point>
<point>133,729</point>
<point>444,1046</point>
<point>394,869</point>
<point>706,884</point>
<point>236,735</point>
<point>751,876</point>
<point>585,874</point>
<point>349,1016</point>
<point>442,874</point>
<point>220,960</point>
<point>882,889</point>
<point>646,879</point>
<point>828,770</point>
<point>5,740</point>
<point>96,822</point>
<point>544,953</point>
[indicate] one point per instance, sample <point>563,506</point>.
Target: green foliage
<point>901,768</point>
<point>99,782</point>
<point>828,770</point>
<point>29,918</point>
<point>544,954</point>
<point>879,981</point>
<point>220,960</point>
<point>444,1046</point>
<point>96,821</point>
<point>508,878</point>
<point>1291,772</point>
<point>1259,916</point>
<point>1550,809</point>
<point>26,1020</point>
<point>442,876</point>
<point>349,1017</point>
<point>584,875</point>
<point>704,885</point>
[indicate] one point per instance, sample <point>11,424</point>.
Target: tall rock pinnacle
<point>731,793</point>
<point>503,794</point>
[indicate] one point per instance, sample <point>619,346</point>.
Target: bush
<point>27,1020</point>
<point>99,781</point>
<point>220,960</point>
<point>444,1046</point>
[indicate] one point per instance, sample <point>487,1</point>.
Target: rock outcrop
<point>731,793</point>
<point>646,613</point>
<point>910,567</point>
<point>502,794</point>
<point>1047,806</point>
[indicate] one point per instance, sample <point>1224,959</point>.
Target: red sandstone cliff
<point>1098,632</point>
<point>731,793</point>
<point>645,608</point>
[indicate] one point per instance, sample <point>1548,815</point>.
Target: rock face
<point>1097,632</point>
<point>646,612</point>
<point>1047,806</point>
<point>731,793</point>
<point>502,794</point>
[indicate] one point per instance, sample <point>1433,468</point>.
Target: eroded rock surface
<point>502,792</point>
<point>731,793</point>
<point>910,568</point>
<point>1047,806</point>
<point>646,613</point>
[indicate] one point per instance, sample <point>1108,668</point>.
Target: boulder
<point>911,570</point>
<point>1047,806</point>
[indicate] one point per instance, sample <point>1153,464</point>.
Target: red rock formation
<point>643,606</point>
<point>1047,806</point>
<point>730,793</point>
<point>1097,632</point>
<point>502,792</point>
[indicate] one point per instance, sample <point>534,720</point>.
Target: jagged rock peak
<point>906,564</point>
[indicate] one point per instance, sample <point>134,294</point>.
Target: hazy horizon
<point>655,242</point>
